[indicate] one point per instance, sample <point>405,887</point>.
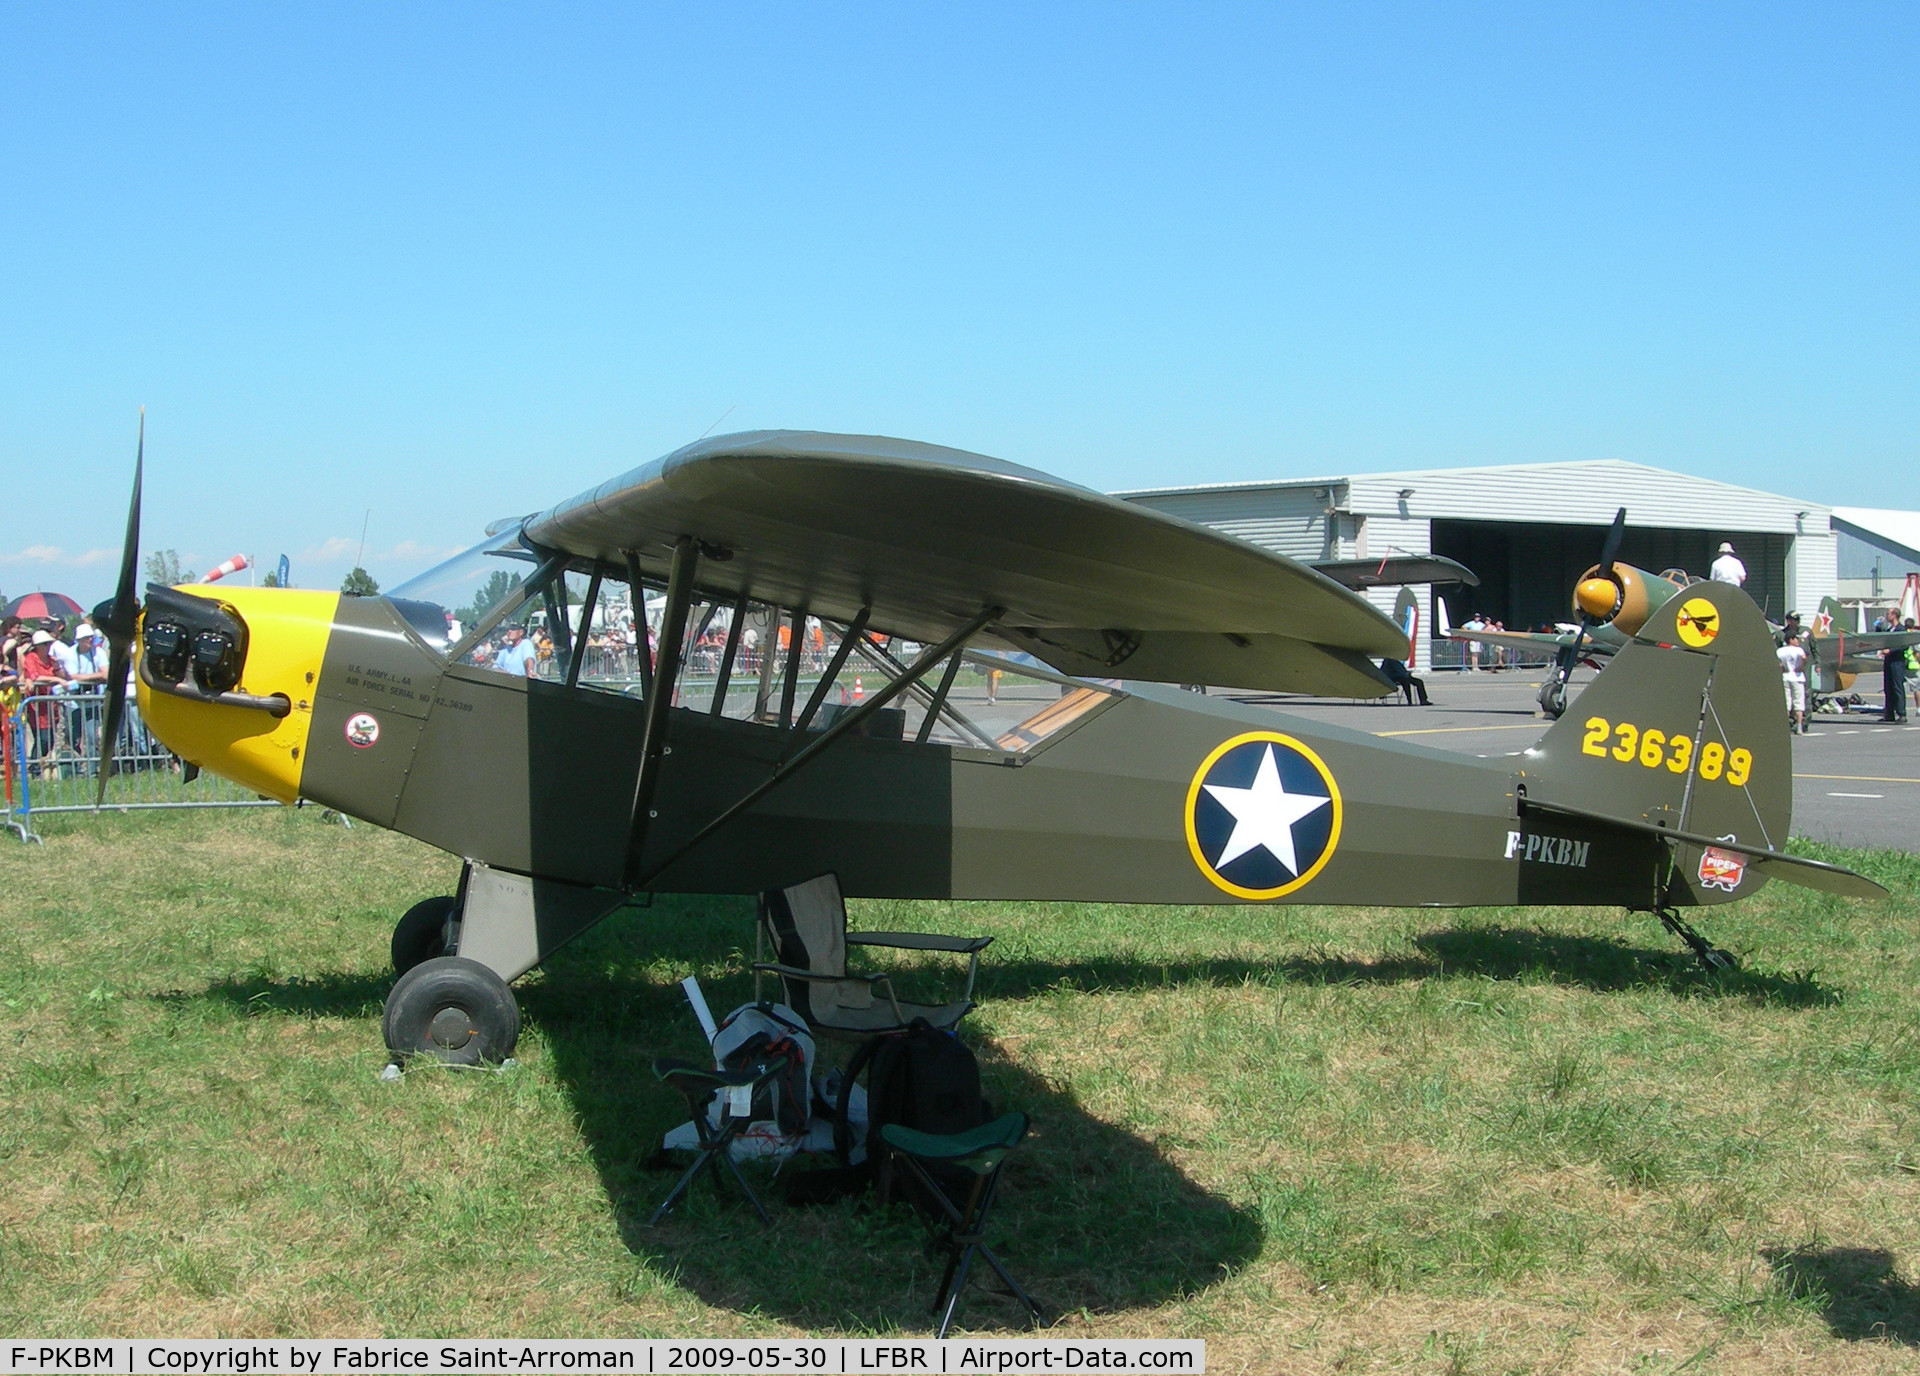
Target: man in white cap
<point>89,656</point>
<point>88,674</point>
<point>1727,569</point>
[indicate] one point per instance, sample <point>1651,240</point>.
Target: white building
<point>1877,550</point>
<point>1528,530</point>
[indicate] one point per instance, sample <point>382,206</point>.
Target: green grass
<point>1323,1139</point>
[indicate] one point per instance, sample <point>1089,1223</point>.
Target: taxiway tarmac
<point>1856,780</point>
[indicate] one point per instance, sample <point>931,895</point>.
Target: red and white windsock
<point>233,565</point>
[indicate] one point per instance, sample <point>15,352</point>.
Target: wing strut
<point>819,694</point>
<point>642,646</point>
<point>932,717</point>
<point>916,671</point>
<point>734,628</point>
<point>935,705</point>
<point>586,629</point>
<point>666,676</point>
<point>796,637</point>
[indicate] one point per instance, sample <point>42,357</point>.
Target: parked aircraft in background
<point>1614,601</point>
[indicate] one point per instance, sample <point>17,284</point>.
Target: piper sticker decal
<point>1263,815</point>
<point>1698,623</point>
<point>1722,869</point>
<point>362,730</point>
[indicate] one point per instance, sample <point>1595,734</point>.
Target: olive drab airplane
<point>1613,602</point>
<point>714,773</point>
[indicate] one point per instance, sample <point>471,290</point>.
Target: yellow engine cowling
<point>1625,599</point>
<point>287,634</point>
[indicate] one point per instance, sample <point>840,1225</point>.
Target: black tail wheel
<point>424,932</point>
<point>454,1010</point>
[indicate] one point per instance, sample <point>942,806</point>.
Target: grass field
<point>1322,1139</point>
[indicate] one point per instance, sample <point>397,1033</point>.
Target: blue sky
<point>450,263</point>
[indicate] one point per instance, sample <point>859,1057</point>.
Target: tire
<point>454,1010</point>
<point>1553,698</point>
<point>422,933</point>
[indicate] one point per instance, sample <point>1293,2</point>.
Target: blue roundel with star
<point>1263,815</point>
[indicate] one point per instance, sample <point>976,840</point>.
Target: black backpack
<point>923,1078</point>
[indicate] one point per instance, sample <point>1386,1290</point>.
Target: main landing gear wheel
<point>426,931</point>
<point>452,1009</point>
<point>1553,698</point>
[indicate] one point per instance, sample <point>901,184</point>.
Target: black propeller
<point>1553,693</point>
<point>118,619</point>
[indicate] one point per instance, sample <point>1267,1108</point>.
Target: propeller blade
<point>117,657</point>
<point>1612,546</point>
<point>118,619</point>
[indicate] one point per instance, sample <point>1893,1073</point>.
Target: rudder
<point>1685,729</point>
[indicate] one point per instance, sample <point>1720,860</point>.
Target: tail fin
<point>1685,730</point>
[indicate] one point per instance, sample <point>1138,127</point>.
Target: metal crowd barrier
<point>52,764</point>
<point>1455,654</point>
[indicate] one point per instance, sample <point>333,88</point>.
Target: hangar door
<point>1527,571</point>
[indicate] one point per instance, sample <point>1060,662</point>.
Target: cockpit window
<point>450,597</point>
<point>429,620</point>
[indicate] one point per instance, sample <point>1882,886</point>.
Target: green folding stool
<point>697,1084</point>
<point>981,1152</point>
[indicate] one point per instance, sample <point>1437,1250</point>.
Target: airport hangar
<point>1878,551</point>
<point>1528,530</point>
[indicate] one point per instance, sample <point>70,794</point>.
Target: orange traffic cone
<point>859,693</point>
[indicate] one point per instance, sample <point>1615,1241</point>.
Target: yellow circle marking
<point>1193,796</point>
<point>1699,622</point>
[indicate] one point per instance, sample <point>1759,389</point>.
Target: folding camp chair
<point>807,927</point>
<point>697,1084</point>
<point>981,1152</point>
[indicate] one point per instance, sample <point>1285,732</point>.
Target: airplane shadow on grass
<point>1601,964</point>
<point>1089,1216</point>
<point>1859,1294</point>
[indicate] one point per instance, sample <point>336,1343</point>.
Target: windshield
<point>467,585</point>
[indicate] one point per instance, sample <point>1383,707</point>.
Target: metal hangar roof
<point>1584,492</point>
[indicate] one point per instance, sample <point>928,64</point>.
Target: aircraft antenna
<point>722,416</point>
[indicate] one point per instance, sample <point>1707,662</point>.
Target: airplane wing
<point>1396,569</point>
<point>1868,642</point>
<point>1526,640</point>
<point>927,537</point>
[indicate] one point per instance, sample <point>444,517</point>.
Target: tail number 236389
<point>1655,749</point>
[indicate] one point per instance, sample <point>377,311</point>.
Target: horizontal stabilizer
<point>1395,569</point>
<point>1774,864</point>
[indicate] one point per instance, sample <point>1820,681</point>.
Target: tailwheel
<point>452,1009</point>
<point>429,928</point>
<point>1704,951</point>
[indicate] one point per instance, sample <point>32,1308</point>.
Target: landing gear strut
<point>1709,955</point>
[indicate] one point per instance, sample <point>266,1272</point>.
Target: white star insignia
<point>1264,814</point>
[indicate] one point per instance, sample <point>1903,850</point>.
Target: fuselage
<point>1143,797</point>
